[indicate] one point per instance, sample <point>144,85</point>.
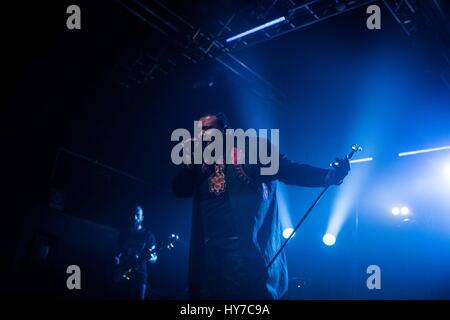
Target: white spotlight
<point>263,26</point>
<point>395,211</point>
<point>287,233</point>
<point>409,153</point>
<point>447,170</point>
<point>329,239</point>
<point>361,160</point>
<point>404,211</point>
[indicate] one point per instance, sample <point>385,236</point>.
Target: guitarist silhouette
<point>133,245</point>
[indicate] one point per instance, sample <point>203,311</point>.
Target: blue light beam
<point>263,26</point>
<point>361,160</point>
<point>410,153</point>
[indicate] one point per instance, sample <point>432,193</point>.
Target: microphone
<point>355,148</point>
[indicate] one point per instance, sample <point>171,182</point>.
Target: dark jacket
<point>255,211</point>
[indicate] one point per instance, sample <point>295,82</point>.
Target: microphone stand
<point>355,148</point>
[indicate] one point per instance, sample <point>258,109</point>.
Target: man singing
<point>235,224</point>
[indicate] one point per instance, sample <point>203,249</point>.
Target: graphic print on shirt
<point>217,182</point>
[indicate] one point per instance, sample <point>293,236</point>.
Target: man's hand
<point>340,171</point>
<point>153,257</point>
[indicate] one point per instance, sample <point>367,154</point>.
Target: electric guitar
<point>125,270</point>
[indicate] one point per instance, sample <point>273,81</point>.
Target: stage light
<point>361,160</point>
<point>395,211</point>
<point>287,233</point>
<point>263,26</point>
<point>345,201</point>
<point>404,210</point>
<point>410,153</point>
<point>329,239</point>
<point>447,170</point>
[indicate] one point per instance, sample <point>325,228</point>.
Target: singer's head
<point>213,121</point>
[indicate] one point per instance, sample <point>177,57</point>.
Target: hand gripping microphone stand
<point>334,164</point>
